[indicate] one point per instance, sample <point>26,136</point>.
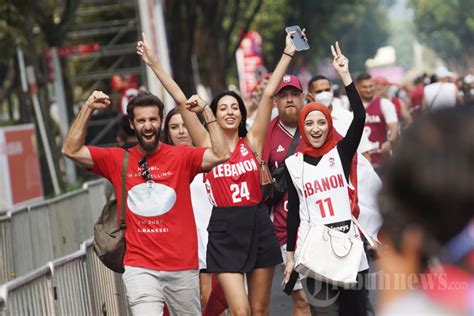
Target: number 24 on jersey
<point>239,191</point>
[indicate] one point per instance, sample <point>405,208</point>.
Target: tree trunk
<point>181,24</point>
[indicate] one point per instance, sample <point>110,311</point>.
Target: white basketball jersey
<point>323,194</point>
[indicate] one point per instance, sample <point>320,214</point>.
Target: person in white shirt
<point>442,93</point>
<point>320,90</point>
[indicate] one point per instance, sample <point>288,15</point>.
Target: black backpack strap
<point>124,188</point>
<point>294,142</point>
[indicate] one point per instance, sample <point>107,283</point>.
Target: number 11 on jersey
<point>320,204</point>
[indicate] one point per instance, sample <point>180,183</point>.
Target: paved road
<point>280,304</point>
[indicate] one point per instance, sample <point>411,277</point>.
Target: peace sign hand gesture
<point>341,64</point>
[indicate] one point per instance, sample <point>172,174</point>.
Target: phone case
<point>298,42</point>
<point>288,287</point>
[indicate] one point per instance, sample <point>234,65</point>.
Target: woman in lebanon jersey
<point>319,178</point>
<point>241,235</point>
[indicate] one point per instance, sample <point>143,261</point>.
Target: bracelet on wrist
<point>207,123</point>
<point>289,55</point>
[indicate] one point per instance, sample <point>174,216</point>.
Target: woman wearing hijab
<point>322,170</point>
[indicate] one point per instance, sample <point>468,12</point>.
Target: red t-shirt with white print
<point>161,231</point>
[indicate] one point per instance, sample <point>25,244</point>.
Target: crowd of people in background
<point>217,248</point>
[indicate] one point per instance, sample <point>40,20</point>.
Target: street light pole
<point>30,75</point>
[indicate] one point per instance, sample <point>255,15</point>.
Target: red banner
<point>76,50</point>
<point>249,60</point>
<point>21,180</point>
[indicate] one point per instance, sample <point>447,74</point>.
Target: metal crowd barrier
<point>6,251</point>
<point>38,233</point>
<point>76,284</point>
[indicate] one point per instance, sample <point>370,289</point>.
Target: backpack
<point>109,233</point>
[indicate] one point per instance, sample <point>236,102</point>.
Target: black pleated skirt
<point>241,239</point>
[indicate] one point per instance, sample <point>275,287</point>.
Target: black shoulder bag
<point>109,234</point>
<point>278,174</point>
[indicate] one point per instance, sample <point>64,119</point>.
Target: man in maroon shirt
<point>381,120</point>
<point>289,100</point>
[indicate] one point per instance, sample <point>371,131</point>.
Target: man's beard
<point>151,146</point>
<point>289,119</point>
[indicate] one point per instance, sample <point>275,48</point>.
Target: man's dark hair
<point>243,110</point>
<point>428,182</point>
<point>418,80</point>
<point>316,78</point>
<point>125,126</point>
<point>145,98</point>
<point>363,76</point>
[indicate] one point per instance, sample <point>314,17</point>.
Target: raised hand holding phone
<point>298,38</point>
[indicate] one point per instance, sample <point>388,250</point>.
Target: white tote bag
<point>329,255</point>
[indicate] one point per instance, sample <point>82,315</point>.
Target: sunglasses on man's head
<point>145,171</point>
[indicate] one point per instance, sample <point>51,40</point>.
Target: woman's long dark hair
<point>243,110</point>
<point>166,129</point>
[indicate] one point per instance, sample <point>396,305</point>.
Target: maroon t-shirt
<point>377,128</point>
<point>277,143</point>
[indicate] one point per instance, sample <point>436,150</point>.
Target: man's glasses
<point>145,171</point>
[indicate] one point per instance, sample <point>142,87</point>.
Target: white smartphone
<point>298,40</point>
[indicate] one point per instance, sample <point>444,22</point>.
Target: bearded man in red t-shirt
<point>161,261</point>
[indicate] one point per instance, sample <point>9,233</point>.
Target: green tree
<point>360,28</point>
<point>210,29</point>
<point>34,26</point>
<point>448,28</point>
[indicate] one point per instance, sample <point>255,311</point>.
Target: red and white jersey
<point>237,181</point>
<point>323,195</point>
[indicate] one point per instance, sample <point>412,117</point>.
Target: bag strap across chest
<point>124,188</point>
<point>294,142</point>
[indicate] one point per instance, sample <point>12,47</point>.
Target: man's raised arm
<point>73,146</point>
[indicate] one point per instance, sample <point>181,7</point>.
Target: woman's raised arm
<point>256,135</point>
<point>196,130</point>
